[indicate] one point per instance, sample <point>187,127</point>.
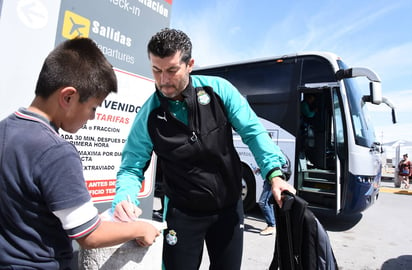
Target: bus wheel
<point>248,189</point>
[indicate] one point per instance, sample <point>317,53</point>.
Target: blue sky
<point>375,34</point>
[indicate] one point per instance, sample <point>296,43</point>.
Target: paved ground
<point>378,238</point>
<point>373,240</point>
<point>388,187</point>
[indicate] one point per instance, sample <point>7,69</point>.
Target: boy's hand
<point>151,232</point>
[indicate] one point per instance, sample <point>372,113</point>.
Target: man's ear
<point>66,96</point>
<point>191,64</point>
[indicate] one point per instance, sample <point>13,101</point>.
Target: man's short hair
<point>169,41</point>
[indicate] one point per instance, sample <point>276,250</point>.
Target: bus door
<point>318,176</point>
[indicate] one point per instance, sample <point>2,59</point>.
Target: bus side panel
<point>282,138</point>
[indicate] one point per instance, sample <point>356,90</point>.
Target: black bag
<point>301,241</point>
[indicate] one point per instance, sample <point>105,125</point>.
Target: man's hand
<point>126,211</point>
<point>279,185</point>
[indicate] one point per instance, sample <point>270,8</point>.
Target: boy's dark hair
<point>78,63</point>
<point>168,41</point>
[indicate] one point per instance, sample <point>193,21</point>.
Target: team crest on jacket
<point>203,97</point>
<point>171,238</point>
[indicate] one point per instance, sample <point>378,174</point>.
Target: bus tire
<point>248,188</point>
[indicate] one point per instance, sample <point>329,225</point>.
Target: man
<point>188,123</point>
<point>308,111</point>
<point>267,209</point>
<point>307,107</point>
<point>44,202</point>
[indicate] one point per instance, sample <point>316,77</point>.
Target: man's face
<point>79,113</point>
<point>171,74</point>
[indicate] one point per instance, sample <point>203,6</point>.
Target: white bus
<point>338,168</point>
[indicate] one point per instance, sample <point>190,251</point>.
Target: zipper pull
<point>297,260</point>
<point>194,137</point>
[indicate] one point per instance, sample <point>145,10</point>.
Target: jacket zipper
<point>192,120</point>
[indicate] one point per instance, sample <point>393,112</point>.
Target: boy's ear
<point>66,96</point>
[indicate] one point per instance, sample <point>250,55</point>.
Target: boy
<point>44,202</point>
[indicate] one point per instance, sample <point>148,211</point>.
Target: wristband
<point>276,173</point>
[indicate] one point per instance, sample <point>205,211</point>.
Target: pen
<point>131,204</point>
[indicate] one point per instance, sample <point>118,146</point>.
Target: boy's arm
<point>83,224</point>
<point>110,233</point>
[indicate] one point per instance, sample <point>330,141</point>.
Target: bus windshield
<point>362,125</point>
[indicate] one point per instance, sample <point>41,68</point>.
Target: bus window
<point>273,77</point>
<point>339,127</point>
<point>363,131</point>
<point>357,126</point>
<point>315,70</point>
<point>362,128</point>
<point>270,90</point>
